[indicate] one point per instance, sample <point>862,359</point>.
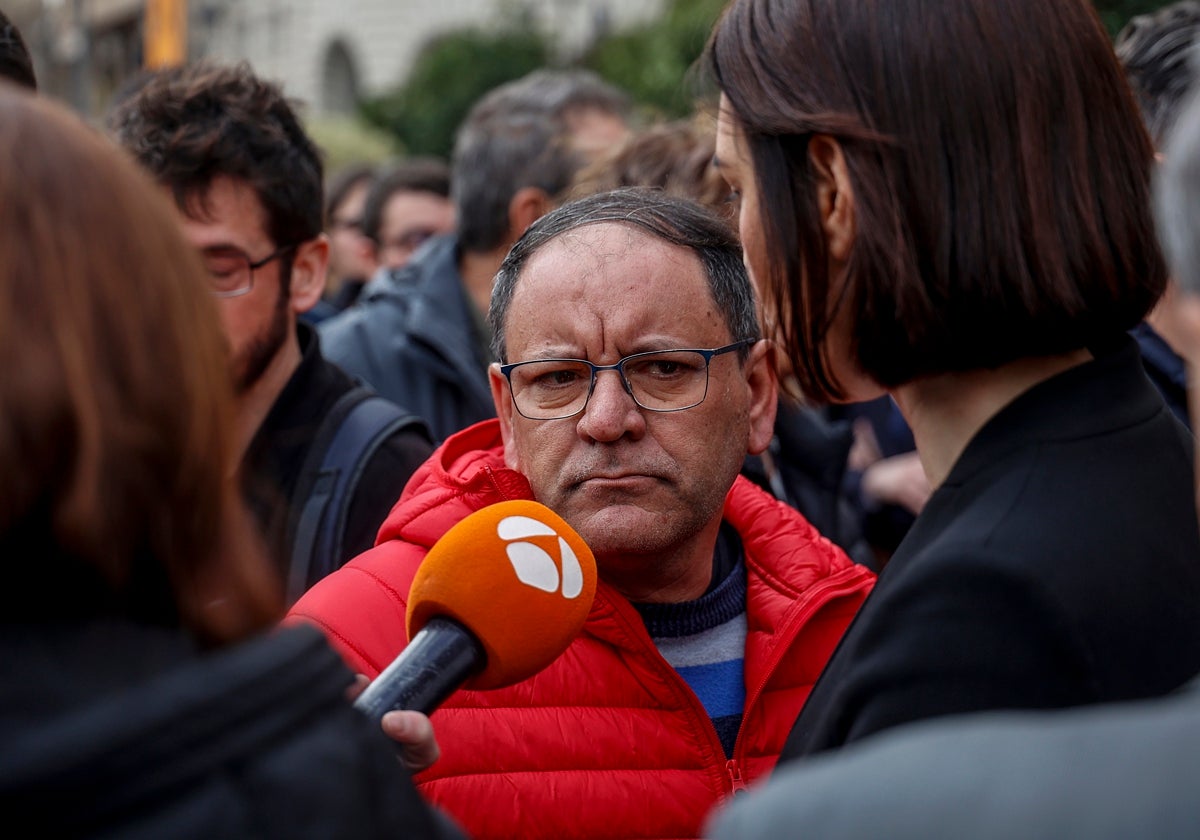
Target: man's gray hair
<point>1177,197</point>
<point>518,135</point>
<point>679,221</point>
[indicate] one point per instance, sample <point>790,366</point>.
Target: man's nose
<point>611,410</point>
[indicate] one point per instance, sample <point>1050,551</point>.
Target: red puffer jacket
<point>608,741</point>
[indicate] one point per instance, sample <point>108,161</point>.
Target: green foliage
<point>653,61</point>
<point>1116,13</point>
<point>345,140</point>
<point>449,74</point>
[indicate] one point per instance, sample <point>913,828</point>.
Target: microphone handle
<point>441,657</point>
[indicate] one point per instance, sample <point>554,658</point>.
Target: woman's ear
<point>835,196</point>
<point>761,377</point>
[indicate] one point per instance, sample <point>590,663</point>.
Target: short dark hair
<point>1157,51</point>
<point>517,136</point>
<point>15,62</point>
<point>189,125</point>
<point>422,174</point>
<point>342,183</point>
<point>999,168</point>
<point>676,220</point>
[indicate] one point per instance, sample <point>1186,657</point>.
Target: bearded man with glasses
<point>247,181</point>
<point>632,382</point>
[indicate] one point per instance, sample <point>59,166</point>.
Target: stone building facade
<point>328,53</point>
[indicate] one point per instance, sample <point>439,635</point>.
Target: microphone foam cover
<point>518,577</point>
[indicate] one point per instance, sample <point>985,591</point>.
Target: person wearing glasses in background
<point>351,255</point>
<point>247,182</point>
<point>406,206</point>
<point>632,381</point>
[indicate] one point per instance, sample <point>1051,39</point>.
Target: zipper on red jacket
<point>736,784</point>
<point>827,589</point>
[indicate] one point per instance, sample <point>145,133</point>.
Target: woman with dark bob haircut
<point>948,201</point>
<point>147,690</point>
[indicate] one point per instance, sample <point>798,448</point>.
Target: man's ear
<point>835,196</point>
<point>527,205</point>
<point>764,395</point>
<point>309,263</point>
<point>504,411</point>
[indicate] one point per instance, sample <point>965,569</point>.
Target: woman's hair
<point>116,412</point>
<point>999,168</point>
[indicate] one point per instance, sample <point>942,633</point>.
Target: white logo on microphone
<point>534,567</point>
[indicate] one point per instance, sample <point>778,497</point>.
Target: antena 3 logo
<point>533,564</point>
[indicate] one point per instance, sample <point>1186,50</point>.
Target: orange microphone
<point>498,598</point>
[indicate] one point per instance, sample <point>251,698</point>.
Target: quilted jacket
<point>608,741</point>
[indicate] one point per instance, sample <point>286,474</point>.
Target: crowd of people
<point>867,386</point>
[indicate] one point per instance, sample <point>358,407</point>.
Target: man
<point>1157,52</point>
<point>632,381</point>
<point>407,204</point>
<point>247,182</point>
<point>419,335</point>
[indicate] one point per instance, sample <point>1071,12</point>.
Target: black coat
<point>1057,565</point>
<point>116,730</point>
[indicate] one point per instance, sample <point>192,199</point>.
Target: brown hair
<point>676,157</point>
<point>115,435</point>
<point>999,167</point>
<point>189,125</point>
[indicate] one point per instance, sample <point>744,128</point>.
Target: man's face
<point>258,323</point>
<point>409,218</point>
<point>631,481</point>
<point>350,252</point>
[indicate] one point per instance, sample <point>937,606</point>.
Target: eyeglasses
<point>408,241</point>
<point>230,270</point>
<point>660,380</point>
<point>354,224</point>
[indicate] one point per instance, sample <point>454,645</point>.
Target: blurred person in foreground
<point>419,334</point>
<point>247,180</point>
<point>1177,199</point>
<point>1157,52</point>
<point>922,239</point>
<point>1105,772</point>
<point>147,691</point>
<point>631,383</point>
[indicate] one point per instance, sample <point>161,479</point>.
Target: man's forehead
<point>223,202</point>
<point>611,278</point>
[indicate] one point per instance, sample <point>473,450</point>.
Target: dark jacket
<point>414,336</point>
<point>272,467</point>
<point>1057,565</point>
<point>112,729</point>
<point>805,466</point>
<point>1166,369</point>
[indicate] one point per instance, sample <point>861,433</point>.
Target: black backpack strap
<point>352,431</point>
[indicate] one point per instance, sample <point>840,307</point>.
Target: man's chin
<point>620,528</point>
